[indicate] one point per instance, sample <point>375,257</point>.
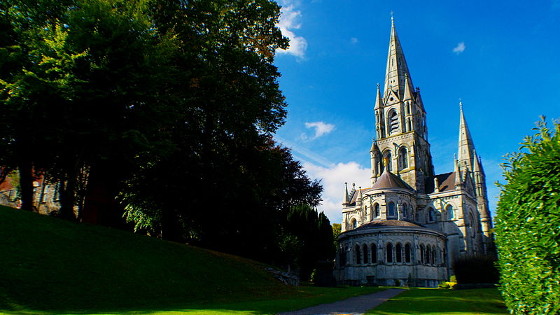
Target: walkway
<point>355,305</point>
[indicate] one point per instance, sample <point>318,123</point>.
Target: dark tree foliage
<point>476,270</point>
<point>527,225</point>
<point>307,237</point>
<point>161,109</point>
<point>80,91</point>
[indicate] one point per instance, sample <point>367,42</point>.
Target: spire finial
<point>460,104</point>
<point>392,18</point>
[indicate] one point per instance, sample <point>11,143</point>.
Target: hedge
<point>528,225</point>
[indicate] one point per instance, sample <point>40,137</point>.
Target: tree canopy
<point>161,112</point>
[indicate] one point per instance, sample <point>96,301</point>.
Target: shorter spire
<point>476,164</point>
<point>466,146</point>
<point>458,174</point>
<point>359,197</point>
<point>345,200</point>
<point>378,101</point>
<point>407,88</point>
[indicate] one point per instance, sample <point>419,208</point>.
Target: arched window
<point>450,212</point>
<point>391,209</point>
<point>422,254</point>
<point>393,121</point>
<point>398,253</point>
<point>376,210</point>
<point>404,211</point>
<point>379,163</point>
<point>374,253</point>
<point>434,256</point>
<point>431,215</point>
<point>358,251</point>
<point>365,254</point>
<point>354,223</point>
<point>387,160</point>
<point>428,254</point>
<point>407,255</point>
<point>389,250</point>
<point>403,158</point>
<point>472,222</point>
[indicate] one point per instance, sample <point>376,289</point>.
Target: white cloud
<point>459,48</point>
<point>289,21</point>
<point>333,178</point>
<point>321,129</point>
<point>354,40</point>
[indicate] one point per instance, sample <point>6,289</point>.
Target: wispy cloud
<point>321,129</point>
<point>354,40</point>
<point>303,154</point>
<point>459,48</point>
<point>333,178</point>
<point>290,21</point>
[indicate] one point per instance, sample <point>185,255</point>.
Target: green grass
<point>51,266</point>
<point>442,302</point>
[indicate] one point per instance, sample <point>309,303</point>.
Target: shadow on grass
<point>302,297</point>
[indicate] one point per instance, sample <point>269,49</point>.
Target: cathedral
<point>410,225</point>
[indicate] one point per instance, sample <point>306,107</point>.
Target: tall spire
<point>397,69</point>
<point>466,146</point>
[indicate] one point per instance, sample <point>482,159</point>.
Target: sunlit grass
<point>444,302</point>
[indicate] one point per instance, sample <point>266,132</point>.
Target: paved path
<point>354,305</point>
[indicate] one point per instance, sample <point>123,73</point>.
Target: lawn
<point>52,266</point>
<point>444,302</point>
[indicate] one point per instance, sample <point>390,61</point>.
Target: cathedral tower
<point>469,162</point>
<point>400,123</point>
<point>411,224</point>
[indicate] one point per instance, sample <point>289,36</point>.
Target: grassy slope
<point>438,301</point>
<point>49,265</point>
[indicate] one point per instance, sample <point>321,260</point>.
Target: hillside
<point>51,265</point>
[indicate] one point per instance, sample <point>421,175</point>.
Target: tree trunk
<point>101,206</point>
<point>26,183</point>
<point>67,199</point>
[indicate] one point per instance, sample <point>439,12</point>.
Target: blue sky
<point>501,58</point>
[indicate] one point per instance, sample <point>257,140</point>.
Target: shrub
<point>449,284</point>
<point>476,269</point>
<point>527,225</point>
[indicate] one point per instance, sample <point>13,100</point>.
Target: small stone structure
<point>285,277</point>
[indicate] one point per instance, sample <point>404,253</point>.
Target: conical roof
<point>389,180</point>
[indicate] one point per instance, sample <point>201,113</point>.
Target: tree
<point>80,91</point>
<point>164,108</point>
<point>314,237</point>
<point>226,184</point>
<point>527,233</point>
<point>33,77</point>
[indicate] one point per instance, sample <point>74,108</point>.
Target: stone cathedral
<point>409,226</point>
